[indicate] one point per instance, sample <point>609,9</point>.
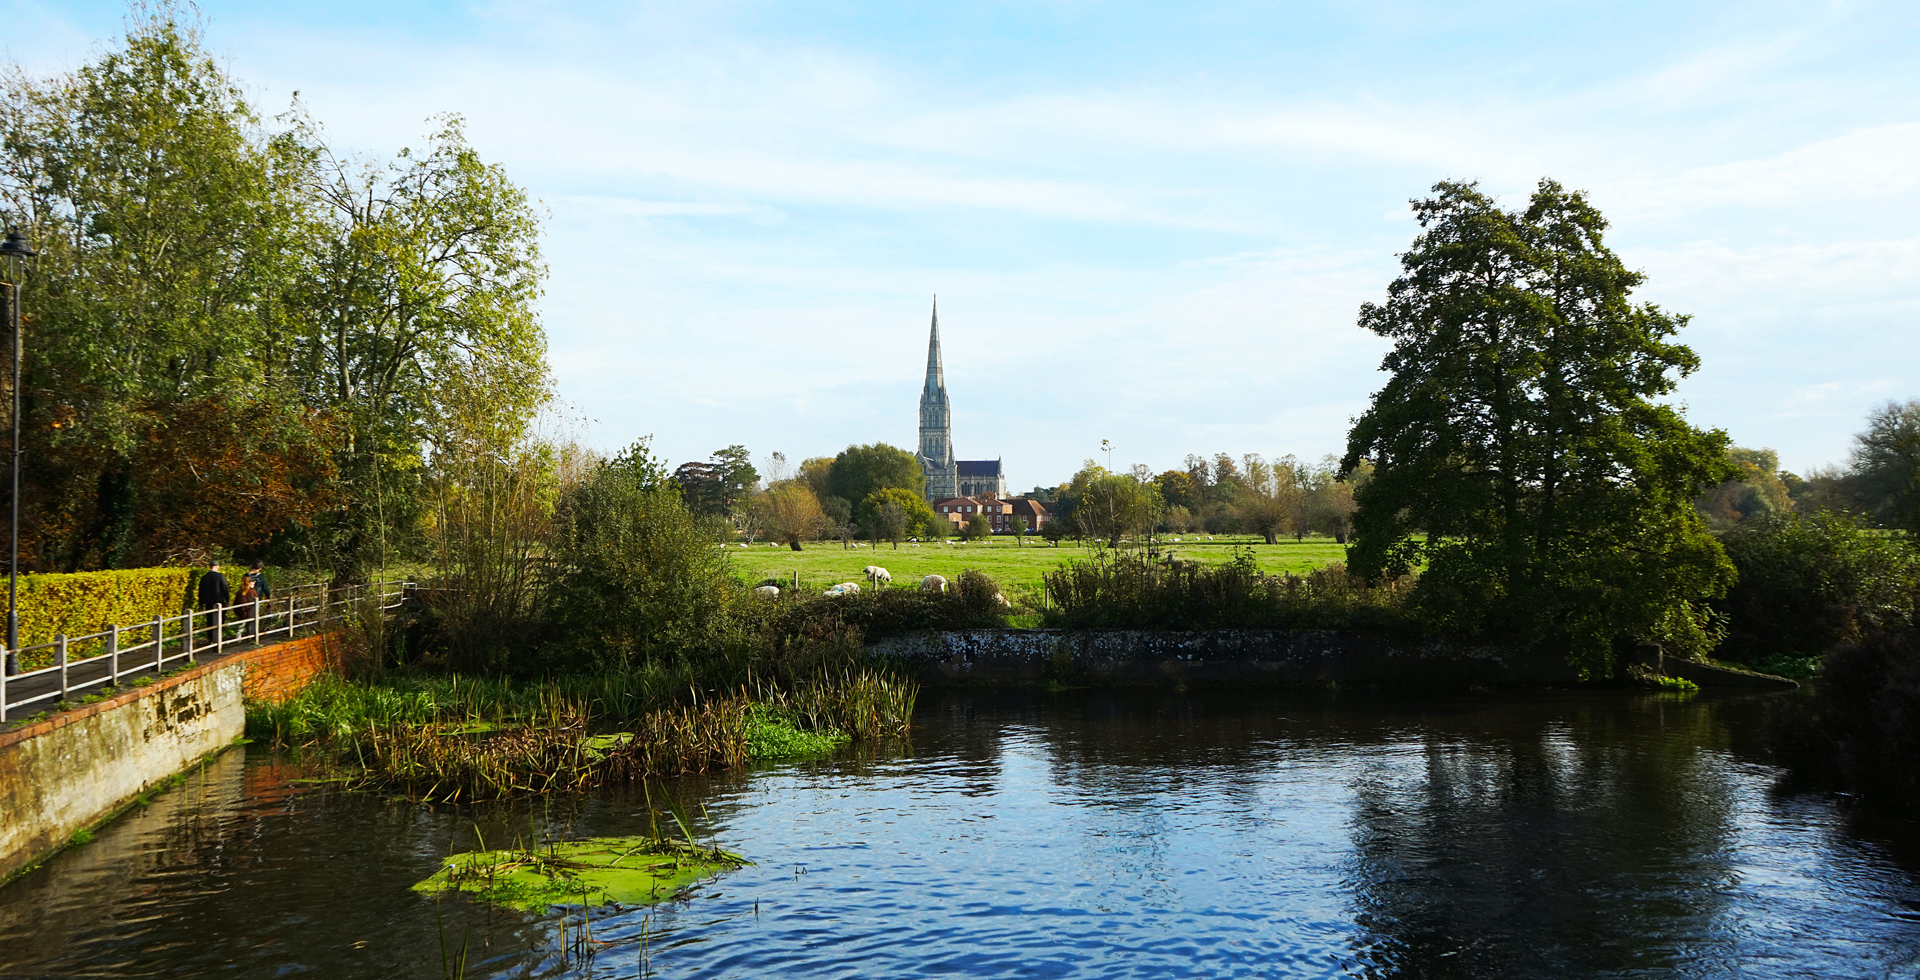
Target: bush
<point>802,634</point>
<point>79,603</point>
<point>637,577</point>
<point>1808,583</point>
<point>1860,731</point>
<point>1136,592</point>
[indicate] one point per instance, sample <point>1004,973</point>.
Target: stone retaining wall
<point>1271,658</point>
<point>82,767</point>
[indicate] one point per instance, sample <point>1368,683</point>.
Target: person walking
<point>213,596</point>
<point>254,590</point>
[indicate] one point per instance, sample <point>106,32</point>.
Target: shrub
<point>1860,730</point>
<point>1136,592</point>
<point>79,603</point>
<point>802,635</point>
<point>637,578</point>
<point>1808,583</point>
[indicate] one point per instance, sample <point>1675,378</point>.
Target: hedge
<point>79,603</point>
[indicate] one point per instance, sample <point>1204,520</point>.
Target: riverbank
<point>1228,658</point>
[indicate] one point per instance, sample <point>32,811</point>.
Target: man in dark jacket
<point>213,589</point>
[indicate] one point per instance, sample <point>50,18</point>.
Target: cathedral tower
<point>936,423</point>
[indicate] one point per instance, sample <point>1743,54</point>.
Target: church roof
<point>978,467</point>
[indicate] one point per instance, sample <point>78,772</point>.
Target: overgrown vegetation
<point>1809,583</point>
<point>1133,591</point>
<point>451,738</point>
<point>1860,729</point>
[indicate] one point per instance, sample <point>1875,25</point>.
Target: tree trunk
<point>1272,538</point>
<point>794,543</point>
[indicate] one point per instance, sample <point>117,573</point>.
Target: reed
<point>457,739</point>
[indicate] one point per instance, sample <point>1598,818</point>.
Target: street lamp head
<point>16,246</point>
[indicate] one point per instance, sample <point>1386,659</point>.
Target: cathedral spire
<point>936,422</point>
<point>936,371</point>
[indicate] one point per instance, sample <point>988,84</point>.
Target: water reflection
<point>1083,835</point>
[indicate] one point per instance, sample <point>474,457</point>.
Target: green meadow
<point>1017,568</point>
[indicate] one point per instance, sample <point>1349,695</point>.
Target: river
<point>1085,834</point>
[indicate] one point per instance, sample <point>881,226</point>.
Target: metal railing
<point>106,657</point>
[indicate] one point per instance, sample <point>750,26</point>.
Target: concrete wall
<point>1272,658</point>
<point>79,768</point>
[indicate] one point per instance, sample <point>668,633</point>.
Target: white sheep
<point>768,591</point>
<point>877,576</point>
<point>844,588</point>
<point>933,583</point>
<point>1002,600</point>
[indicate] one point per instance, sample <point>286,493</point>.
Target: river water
<point>1076,835</point>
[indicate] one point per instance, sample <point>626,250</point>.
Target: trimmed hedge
<point>79,603</point>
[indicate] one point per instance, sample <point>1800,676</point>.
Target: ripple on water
<point>1097,835</point>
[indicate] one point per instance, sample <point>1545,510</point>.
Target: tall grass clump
<point>1131,591</point>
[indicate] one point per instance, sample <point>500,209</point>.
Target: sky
<point>1152,224</point>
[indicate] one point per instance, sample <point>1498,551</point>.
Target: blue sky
<point>1149,223</point>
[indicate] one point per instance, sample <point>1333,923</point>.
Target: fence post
<point>159,645</point>
<point>219,631</point>
<point>113,656</point>
<point>256,620</point>
<point>3,695</point>
<point>60,643</point>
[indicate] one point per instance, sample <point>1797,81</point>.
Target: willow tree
<point>1522,452</point>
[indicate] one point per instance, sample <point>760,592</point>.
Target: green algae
<point>594,872</point>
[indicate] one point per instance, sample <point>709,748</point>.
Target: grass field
<point>1017,569</point>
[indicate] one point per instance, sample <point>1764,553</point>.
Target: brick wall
<point>280,671</point>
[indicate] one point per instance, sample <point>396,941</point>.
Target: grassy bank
<point>1017,568</point>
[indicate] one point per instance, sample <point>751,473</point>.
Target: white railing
<point>106,657</point>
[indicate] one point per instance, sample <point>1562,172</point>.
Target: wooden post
<point>219,631</point>
<point>159,645</point>
<point>60,643</point>
<point>256,620</point>
<point>113,656</point>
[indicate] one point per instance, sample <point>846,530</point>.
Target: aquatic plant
<point>595,872</point>
<point>456,739</point>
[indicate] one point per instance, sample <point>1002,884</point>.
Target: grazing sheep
<point>878,576</point>
<point>933,583</point>
<point>768,591</point>
<point>1002,600</point>
<point>844,588</point>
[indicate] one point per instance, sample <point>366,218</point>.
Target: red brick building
<point>1000,513</point>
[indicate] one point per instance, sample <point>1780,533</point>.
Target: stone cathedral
<point>946,476</point>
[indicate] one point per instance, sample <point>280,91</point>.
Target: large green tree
<point>1886,465</point>
<point>860,470</point>
<point>425,282</point>
<point>1522,452</point>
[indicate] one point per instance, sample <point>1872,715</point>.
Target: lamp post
<point>14,249</point>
